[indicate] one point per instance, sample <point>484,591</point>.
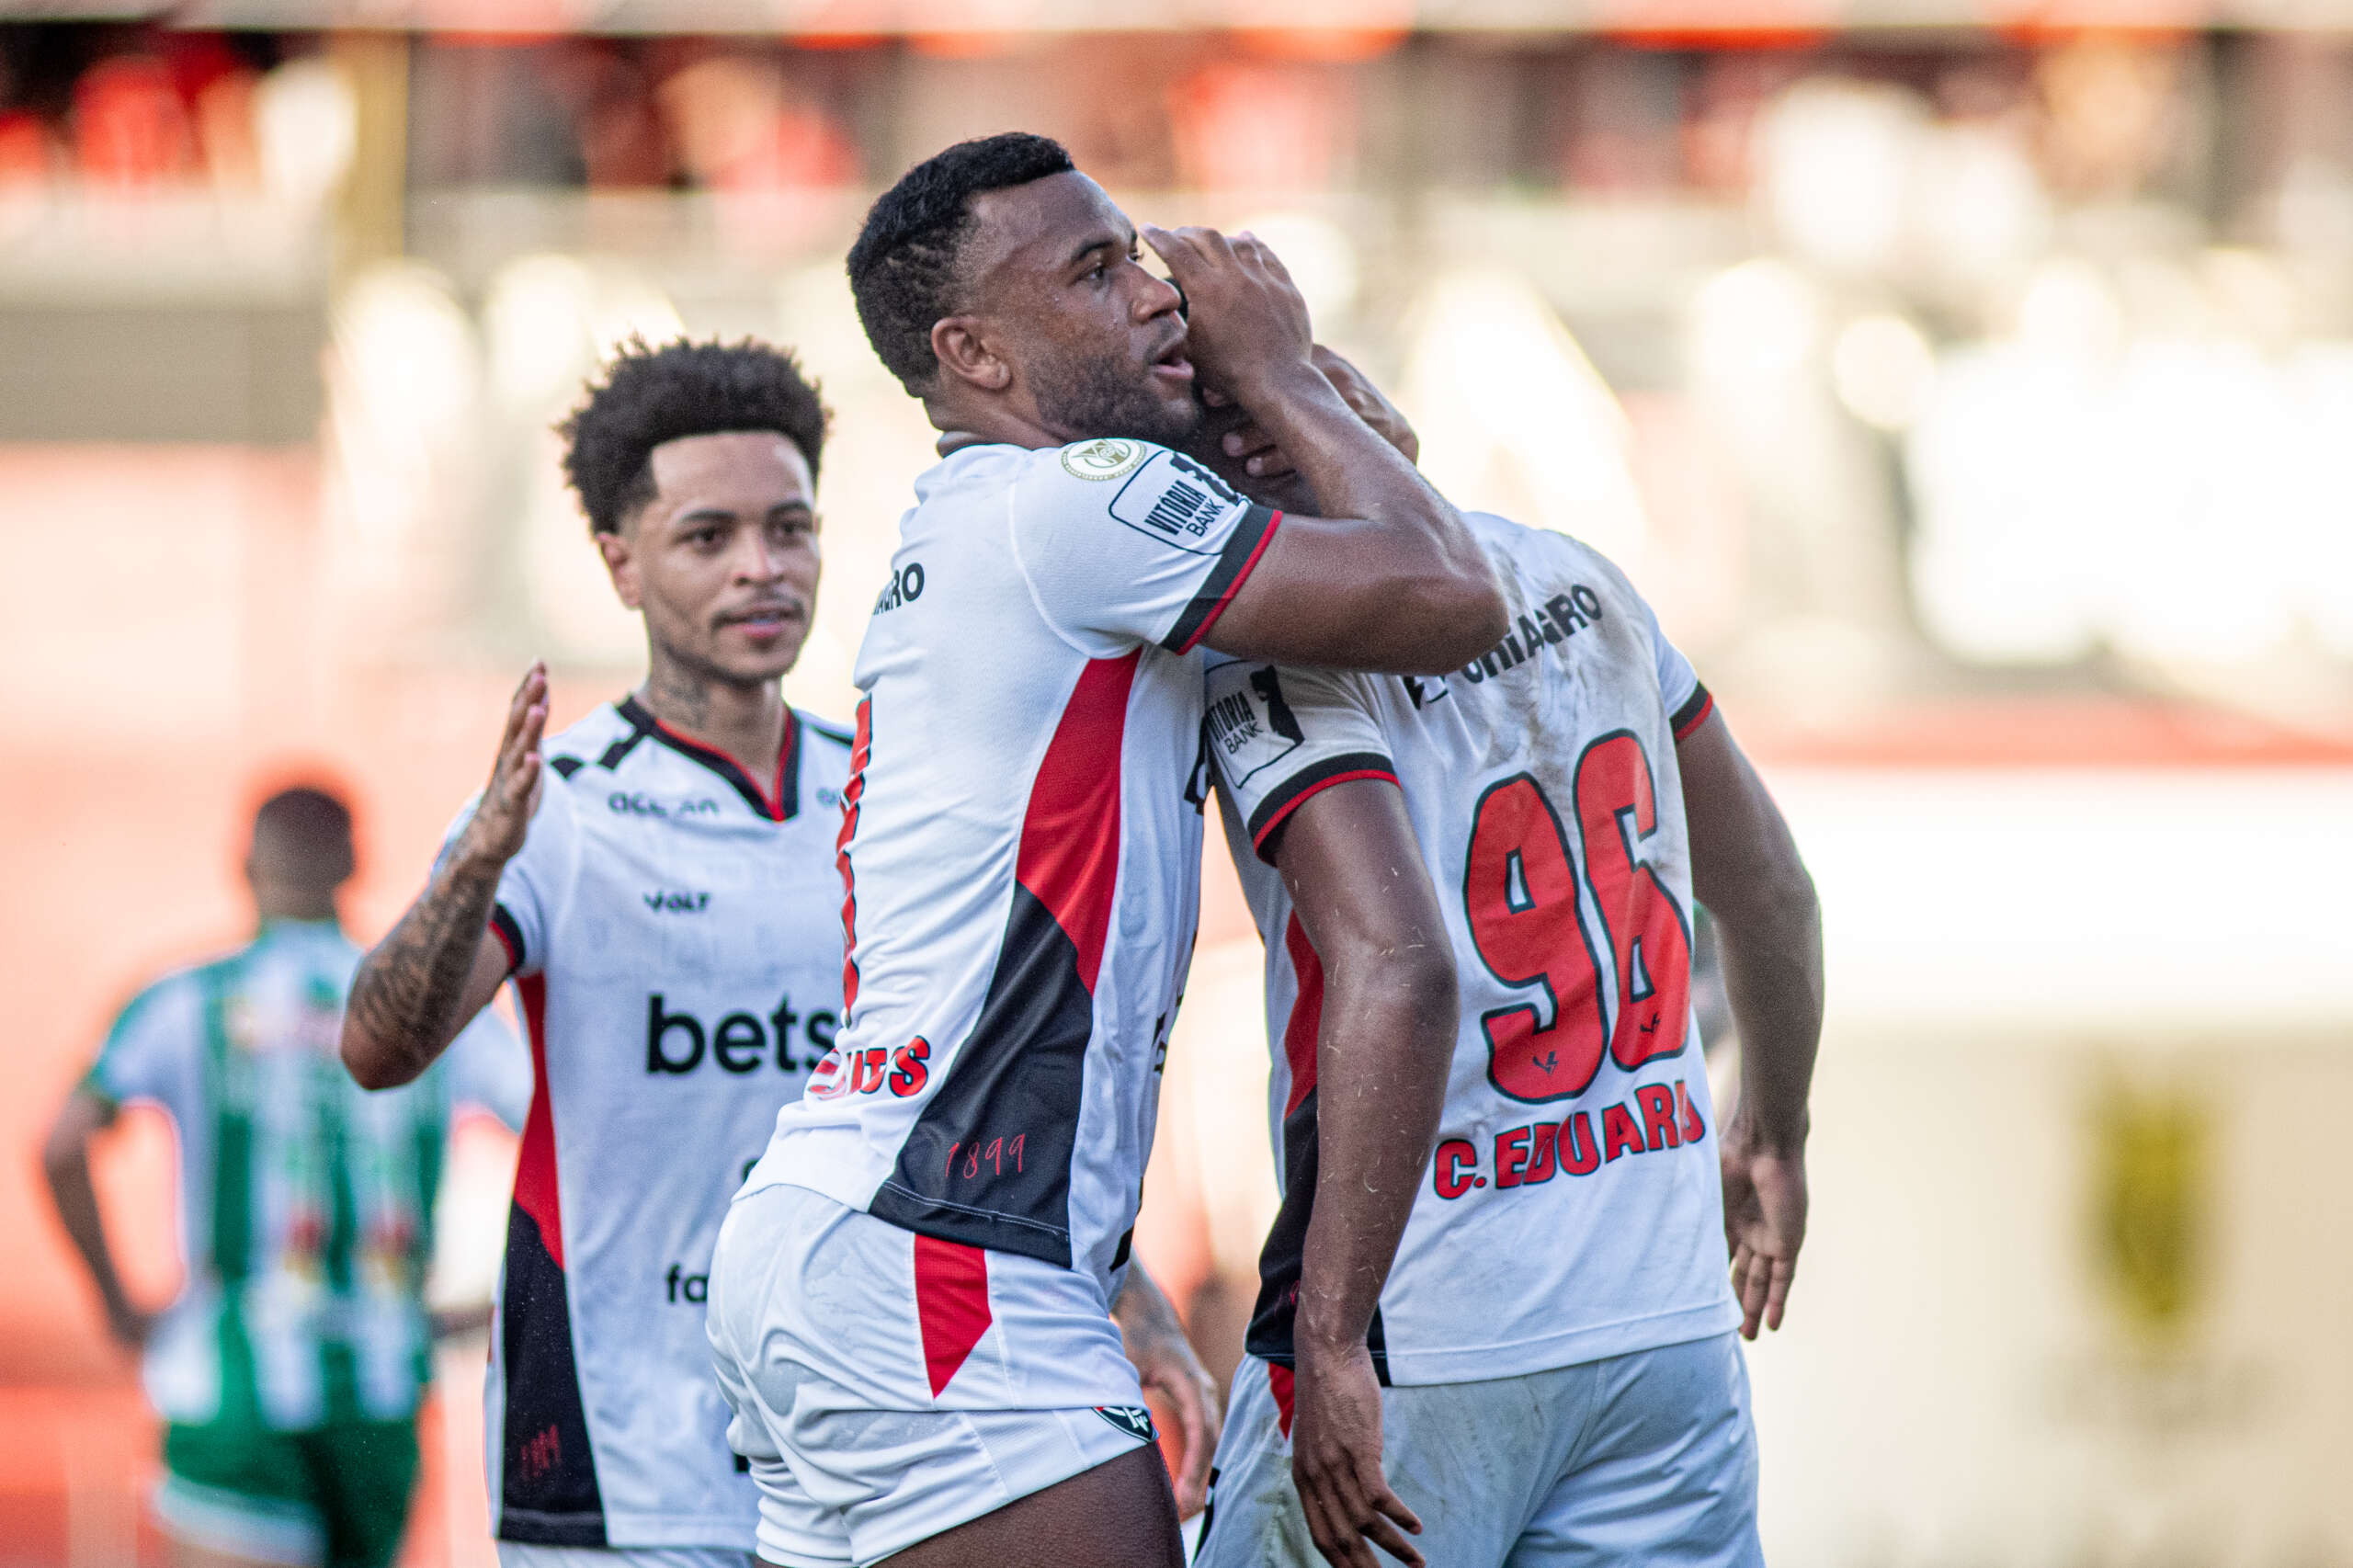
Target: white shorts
<point>877,1379</point>
<point>523,1554</point>
<point>1648,1458</point>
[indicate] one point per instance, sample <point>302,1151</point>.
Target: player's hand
<point>1259,458</point>
<point>500,823</point>
<point>1336,1462</point>
<point>1166,1365</point>
<point>1763,1223</point>
<point>1164,1362</point>
<point>1245,322</point>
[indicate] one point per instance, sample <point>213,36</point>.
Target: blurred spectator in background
<point>288,1370</point>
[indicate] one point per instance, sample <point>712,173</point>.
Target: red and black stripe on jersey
<point>1693,713</point>
<point>549,1494</point>
<point>1243,547</point>
<point>1016,1081</point>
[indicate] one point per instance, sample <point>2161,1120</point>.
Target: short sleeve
<point>1688,703</point>
<point>154,1047</point>
<point>1123,542</point>
<point>518,916</point>
<point>1277,735</point>
<point>489,1068</point>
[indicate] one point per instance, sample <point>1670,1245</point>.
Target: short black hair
<point>311,824</point>
<point>653,395</point>
<point>904,269</point>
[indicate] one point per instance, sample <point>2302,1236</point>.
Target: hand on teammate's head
<point>1246,319</point>
<point>1244,455</point>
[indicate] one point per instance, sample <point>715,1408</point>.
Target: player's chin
<point>748,656</point>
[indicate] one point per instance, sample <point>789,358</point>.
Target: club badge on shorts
<point>1132,1419</point>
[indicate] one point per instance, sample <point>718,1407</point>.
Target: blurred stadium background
<point>1969,382</point>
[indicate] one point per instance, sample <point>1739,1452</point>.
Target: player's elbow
<point>1412,983</point>
<point>364,1057</point>
<point>1444,619</point>
<point>1775,899</point>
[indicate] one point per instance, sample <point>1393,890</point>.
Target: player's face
<point>1095,339</point>
<point>723,560</point>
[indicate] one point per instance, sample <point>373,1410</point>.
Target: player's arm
<point>1167,1365</point>
<point>442,963</point>
<point>1746,870</point>
<point>65,1160</point>
<point>1383,1045</point>
<point>1389,578</point>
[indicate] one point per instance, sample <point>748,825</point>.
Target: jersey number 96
<point>1520,895</point>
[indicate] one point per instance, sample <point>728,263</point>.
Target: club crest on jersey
<point>1109,457</point>
<point>1132,1419</point>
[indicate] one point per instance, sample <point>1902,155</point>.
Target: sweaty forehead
<point>1035,229</point>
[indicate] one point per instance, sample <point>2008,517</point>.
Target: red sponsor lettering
<point>908,1073</point>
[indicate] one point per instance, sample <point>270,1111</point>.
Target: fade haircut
<point>905,270</point>
<point>310,827</point>
<point>650,396</point>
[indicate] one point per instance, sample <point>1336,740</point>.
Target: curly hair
<point>904,270</point>
<point>653,395</point>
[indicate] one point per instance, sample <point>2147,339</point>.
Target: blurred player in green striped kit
<point>288,1370</point>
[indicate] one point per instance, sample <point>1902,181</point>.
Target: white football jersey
<point>1021,855</point>
<point>1572,1209</point>
<point>675,928</point>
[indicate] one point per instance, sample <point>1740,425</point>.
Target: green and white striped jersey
<point>306,1202</point>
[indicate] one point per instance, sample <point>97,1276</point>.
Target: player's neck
<point>745,721</point>
<point>963,423</point>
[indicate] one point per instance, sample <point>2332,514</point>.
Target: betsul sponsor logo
<point>678,1042</point>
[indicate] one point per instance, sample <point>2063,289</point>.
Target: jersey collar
<point>784,805</point>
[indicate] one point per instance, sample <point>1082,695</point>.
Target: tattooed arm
<point>442,963</point>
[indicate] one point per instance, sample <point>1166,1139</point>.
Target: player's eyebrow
<point>1100,242</point>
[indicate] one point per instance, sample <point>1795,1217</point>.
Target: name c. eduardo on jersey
<point>1020,855</point>
<point>673,926</point>
<point>1572,1210</point>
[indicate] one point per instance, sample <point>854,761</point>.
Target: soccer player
<point>909,1301</point>
<point>1562,1382</point>
<point>658,879</point>
<point>287,1371</point>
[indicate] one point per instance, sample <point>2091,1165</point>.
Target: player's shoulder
<point>825,729</point>
<point>825,749</point>
<point>603,738</point>
<point>182,988</point>
<point>1548,554</point>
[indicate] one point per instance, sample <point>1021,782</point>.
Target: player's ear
<point>966,356</point>
<point>621,564</point>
